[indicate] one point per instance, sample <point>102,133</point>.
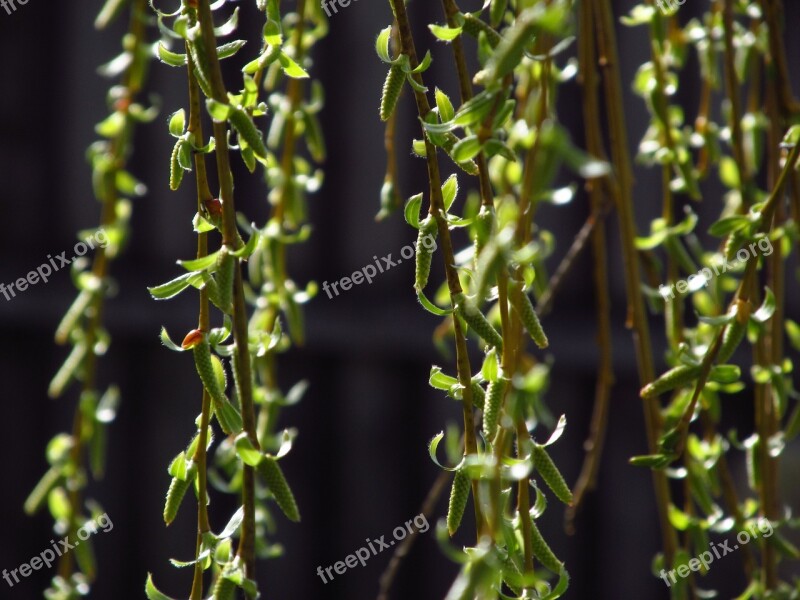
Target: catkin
<point>205,368</point>
<point>672,379</point>
<point>491,410</point>
<point>497,12</point>
<point>272,474</point>
<point>475,319</point>
<point>175,169</point>
<point>226,413</point>
<point>392,87</point>
<point>247,130</point>
<point>550,474</point>
<point>523,306</point>
<point>478,394</point>
<point>224,589</point>
<point>226,264</point>
<point>734,332</point>
<point>542,551</point>
<point>474,26</point>
<point>483,230</point>
<point>425,246</point>
<point>175,494</point>
<point>732,244</point>
<point>459,495</point>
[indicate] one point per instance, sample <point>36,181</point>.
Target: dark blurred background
<point>360,465</point>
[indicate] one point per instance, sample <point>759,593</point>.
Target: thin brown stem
<point>436,209</point>
<point>231,238</point>
<point>637,317</point>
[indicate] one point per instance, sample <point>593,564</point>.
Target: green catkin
<point>672,379</point>
<point>475,319</point>
<point>491,410</point>
<point>734,332</point>
<point>71,317</point>
<point>226,413</point>
<point>71,369</point>
<point>391,91</point>
<point>550,474</point>
<point>478,394</point>
<point>459,495</point>
<point>542,551</point>
<point>226,265</point>
<point>205,368</point>
<point>175,494</point>
<point>247,130</point>
<point>522,304</point>
<point>474,26</point>
<point>201,67</point>
<point>483,230</point>
<point>425,246</point>
<point>732,244</point>
<point>224,589</point>
<point>175,169</point>
<point>497,12</point>
<point>273,476</point>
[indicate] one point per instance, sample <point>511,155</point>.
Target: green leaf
<point>167,341</point>
<point>557,432</point>
<point>233,524</point>
<point>728,225</point>
<point>767,308</point>
<point>430,306</point>
<point>170,58</point>
<point>446,34</point>
<point>199,264</point>
<point>246,451</point>
<point>219,111</point>
<point>449,191</point>
<point>229,49</point>
<point>653,461</point>
<point>679,519</point>
<point>491,368</point>
<point>432,447</point>
<point>729,173</point>
<point>475,110</point>
<point>168,290</point>
<point>793,331</point>
<point>177,123</point>
<point>291,68</point>
<point>725,374</point>
<point>412,209</point>
<point>466,149</point>
<point>446,110</point>
<point>152,592</point>
<point>382,44</point>
<point>424,65</point>
<point>247,250</point>
<point>439,380</point>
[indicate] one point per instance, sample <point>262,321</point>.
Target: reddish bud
<point>192,339</point>
<point>214,207</point>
